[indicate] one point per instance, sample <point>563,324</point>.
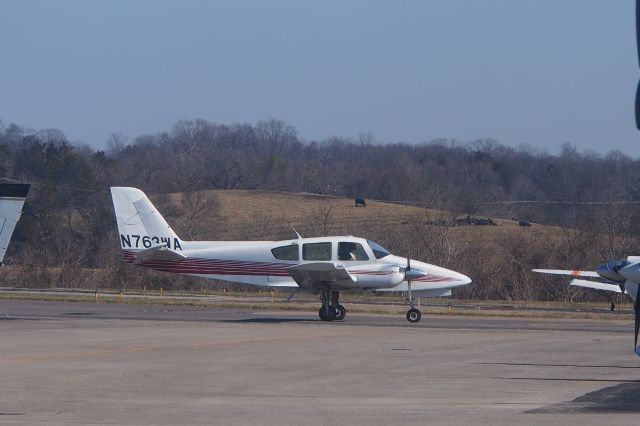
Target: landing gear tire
<point>341,312</point>
<point>332,314</point>
<point>413,315</point>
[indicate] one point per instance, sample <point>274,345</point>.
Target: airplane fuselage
<point>267,262</point>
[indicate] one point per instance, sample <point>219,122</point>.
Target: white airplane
<point>328,264</point>
<point>621,276</point>
<point>12,197</point>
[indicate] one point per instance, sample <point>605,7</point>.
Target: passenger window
<point>351,251</point>
<point>316,251</point>
<point>289,252</point>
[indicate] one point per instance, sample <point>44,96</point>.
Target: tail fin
<point>12,197</point>
<point>140,224</point>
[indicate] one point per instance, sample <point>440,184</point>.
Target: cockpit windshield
<point>378,251</point>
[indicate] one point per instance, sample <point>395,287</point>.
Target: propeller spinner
<point>412,274</point>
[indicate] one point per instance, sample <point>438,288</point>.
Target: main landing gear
<point>413,314</point>
<point>331,309</point>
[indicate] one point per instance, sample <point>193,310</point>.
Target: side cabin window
<point>351,251</point>
<point>289,252</point>
<point>316,251</point>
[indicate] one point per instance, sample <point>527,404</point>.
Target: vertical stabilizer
<point>140,225</point>
<point>12,197</point>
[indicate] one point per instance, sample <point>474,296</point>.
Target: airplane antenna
<point>294,230</point>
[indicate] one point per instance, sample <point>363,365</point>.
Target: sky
<point>539,73</point>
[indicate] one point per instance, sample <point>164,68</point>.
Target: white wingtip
<point>573,273</point>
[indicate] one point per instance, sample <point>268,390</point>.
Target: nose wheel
<point>413,315</point>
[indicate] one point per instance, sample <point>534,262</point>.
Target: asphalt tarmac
<point>138,364</point>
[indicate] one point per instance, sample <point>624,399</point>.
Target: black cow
<point>360,202</point>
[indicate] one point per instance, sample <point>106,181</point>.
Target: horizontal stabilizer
<point>593,274</point>
<point>308,274</point>
<point>158,253</point>
<point>596,285</point>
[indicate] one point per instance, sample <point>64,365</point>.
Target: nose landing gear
<point>413,314</point>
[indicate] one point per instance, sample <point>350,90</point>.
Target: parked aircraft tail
<point>12,197</point>
<point>140,225</point>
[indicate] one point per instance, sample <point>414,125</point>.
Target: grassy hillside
<point>498,258</point>
<point>234,214</point>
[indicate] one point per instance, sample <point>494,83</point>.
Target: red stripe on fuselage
<point>434,279</point>
<point>202,266</point>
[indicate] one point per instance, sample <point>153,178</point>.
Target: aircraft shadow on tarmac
<point>529,364</point>
<point>267,320</point>
<point>622,398</point>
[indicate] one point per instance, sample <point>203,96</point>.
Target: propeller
<point>412,274</point>
<point>638,47</point>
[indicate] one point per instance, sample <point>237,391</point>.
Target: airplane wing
<point>596,285</point>
<point>158,253</point>
<point>307,274</point>
<point>574,274</point>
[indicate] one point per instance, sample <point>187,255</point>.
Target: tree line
<point>65,236</point>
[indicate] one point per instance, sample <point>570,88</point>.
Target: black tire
<point>413,315</point>
<point>341,312</point>
<point>332,314</point>
<point>321,314</point>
